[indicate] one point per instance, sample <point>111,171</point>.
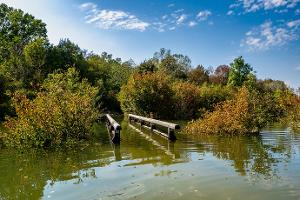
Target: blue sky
<point>210,32</point>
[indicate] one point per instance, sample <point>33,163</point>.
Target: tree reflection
<point>255,156</point>
<point>23,176</point>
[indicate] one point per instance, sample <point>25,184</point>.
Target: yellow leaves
<point>52,117</point>
<point>227,118</point>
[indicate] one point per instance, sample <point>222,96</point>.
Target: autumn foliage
<point>62,113</point>
<point>247,112</point>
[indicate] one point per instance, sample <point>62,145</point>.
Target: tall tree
<point>67,54</point>
<point>176,65</point>
<point>17,29</point>
<point>199,75</point>
<point>220,75</point>
<point>147,66</point>
<point>239,72</point>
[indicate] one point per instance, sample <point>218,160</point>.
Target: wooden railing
<point>114,128</point>
<point>153,123</point>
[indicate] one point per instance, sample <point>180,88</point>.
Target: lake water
<point>146,166</point>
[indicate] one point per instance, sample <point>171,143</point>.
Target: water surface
<point>146,166</point>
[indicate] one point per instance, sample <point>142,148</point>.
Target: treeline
<point>50,95</point>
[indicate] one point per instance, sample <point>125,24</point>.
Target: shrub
<point>187,98</point>
<point>62,113</point>
<point>228,117</point>
<point>247,112</point>
<point>214,94</point>
<point>147,93</point>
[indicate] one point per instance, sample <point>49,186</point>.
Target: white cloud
<point>179,10</point>
<point>294,23</point>
<point>112,19</point>
<point>230,12</point>
<point>88,6</point>
<point>298,67</point>
<point>171,21</point>
<point>192,23</point>
<point>203,15</point>
<point>171,5</point>
<point>269,35</point>
<point>255,5</point>
<point>181,19</point>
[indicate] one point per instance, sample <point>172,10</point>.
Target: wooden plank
<point>113,129</point>
<point>155,121</point>
<point>113,122</point>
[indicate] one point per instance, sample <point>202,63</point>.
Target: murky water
<point>146,166</point>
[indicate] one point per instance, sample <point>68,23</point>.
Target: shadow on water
<point>25,176</point>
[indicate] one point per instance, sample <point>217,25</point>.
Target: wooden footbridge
<point>165,129</point>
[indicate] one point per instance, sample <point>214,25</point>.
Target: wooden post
<point>113,128</point>
<point>171,134</point>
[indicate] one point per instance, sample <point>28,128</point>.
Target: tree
<point>175,65</point>
<point>67,54</point>
<point>109,75</point>
<point>147,66</point>
<point>270,85</point>
<point>199,75</point>
<point>239,72</point>
<point>143,92</point>
<point>220,75</point>
<point>35,57</point>
<point>17,29</point>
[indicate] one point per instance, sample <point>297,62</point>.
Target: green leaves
<point>239,72</point>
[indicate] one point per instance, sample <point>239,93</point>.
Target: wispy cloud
<point>181,19</point>
<point>203,15</point>
<point>298,67</point>
<point>192,23</point>
<point>293,24</point>
<point>112,19</point>
<point>269,35</point>
<point>230,12</point>
<point>171,21</point>
<point>118,19</point>
<point>255,5</point>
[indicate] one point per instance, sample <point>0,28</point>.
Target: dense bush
<point>187,99</point>
<point>228,117</point>
<point>247,112</point>
<point>62,113</point>
<point>148,93</point>
<point>211,95</point>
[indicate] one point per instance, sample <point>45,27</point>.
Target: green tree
<point>67,54</point>
<point>239,72</point>
<point>17,29</point>
<point>148,93</point>
<point>147,66</point>
<point>175,65</point>
<point>109,75</point>
<point>35,58</point>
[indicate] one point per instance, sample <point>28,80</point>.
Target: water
<point>146,166</point>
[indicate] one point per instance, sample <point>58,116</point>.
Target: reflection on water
<point>146,166</point>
